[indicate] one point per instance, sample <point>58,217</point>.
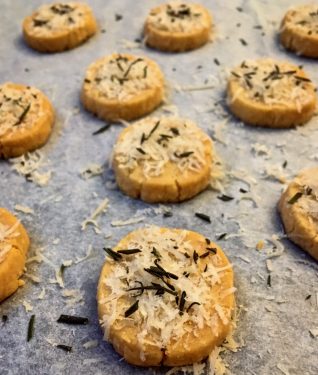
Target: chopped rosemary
<point>239,9</point>
<point>235,75</point>
<point>4,319</point>
<point>193,304</point>
<point>216,62</point>
<point>66,348</point>
<point>208,241</point>
<point>118,17</point>
<point>71,319</point>
<point>302,79</point>
<point>269,281</point>
<point>184,154</point>
<point>222,236</point>
<point>285,164</point>
<point>141,150</point>
<point>31,328</point>
<point>308,297</point>
<point>167,214</point>
<point>145,71</point>
<point>131,65</point>
<point>206,254</point>
<point>213,250</point>
<point>243,41</point>
<point>102,129</point>
<point>129,251</point>
<point>203,217</point>
<point>132,309</point>
<point>113,254</point>
<point>175,131</point>
<point>244,191</point>
<point>225,198</point>
<point>182,301</point>
<point>195,257</point>
<point>39,23</point>
<point>155,252</point>
<point>146,137</point>
<point>205,268</point>
<point>295,198</point>
<point>23,114</point>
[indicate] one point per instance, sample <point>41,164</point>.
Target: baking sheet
<point>274,321</point>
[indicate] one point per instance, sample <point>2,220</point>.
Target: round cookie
<point>178,27</point>
<point>299,30</point>
<point>122,87</point>
<point>59,26</point>
<point>14,244</point>
<point>298,207</point>
<point>165,297</point>
<point>271,93</point>
<point>26,119</point>
<point>167,159</point>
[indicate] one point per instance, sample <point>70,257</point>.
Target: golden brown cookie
<point>59,26</point>
<point>299,30</point>
<point>177,27</point>
<point>14,244</point>
<point>122,87</point>
<point>165,297</point>
<point>271,93</point>
<point>166,159</point>
<point>26,119</point>
<point>298,207</point>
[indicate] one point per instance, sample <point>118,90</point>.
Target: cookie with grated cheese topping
<point>178,26</point>
<point>14,244</point>
<point>26,119</point>
<point>59,26</point>
<point>271,93</point>
<point>299,30</point>
<point>122,87</point>
<point>298,207</point>
<point>167,159</point>
<point>165,297</point>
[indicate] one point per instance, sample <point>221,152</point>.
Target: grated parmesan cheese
<point>272,82</point>
<point>178,17</point>
<point>161,325</point>
<point>91,220</point>
<point>24,209</point>
<point>152,143</point>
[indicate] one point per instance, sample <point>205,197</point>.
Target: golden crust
<point>177,41</point>
<point>191,347</point>
<point>63,39</point>
<point>18,142</point>
<point>114,109</point>
<point>11,268</point>
<point>256,113</point>
<point>297,40</point>
<point>172,185</point>
<point>300,227</point>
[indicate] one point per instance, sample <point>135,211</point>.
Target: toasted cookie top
<point>177,16</point>
<point>20,106</point>
<point>164,281</point>
<point>122,76</point>
<point>58,17</point>
<point>153,142</point>
<point>306,198</point>
<point>303,18</point>
<point>7,233</point>
<point>272,82</point>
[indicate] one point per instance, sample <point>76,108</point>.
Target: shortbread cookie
<point>26,119</point>
<point>14,244</point>
<point>122,87</point>
<point>271,93</point>
<point>299,30</point>
<point>165,297</point>
<point>166,159</point>
<point>177,27</point>
<point>59,26</point>
<point>298,207</point>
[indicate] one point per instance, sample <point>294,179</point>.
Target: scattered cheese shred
<point>24,209</point>
<point>91,220</point>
